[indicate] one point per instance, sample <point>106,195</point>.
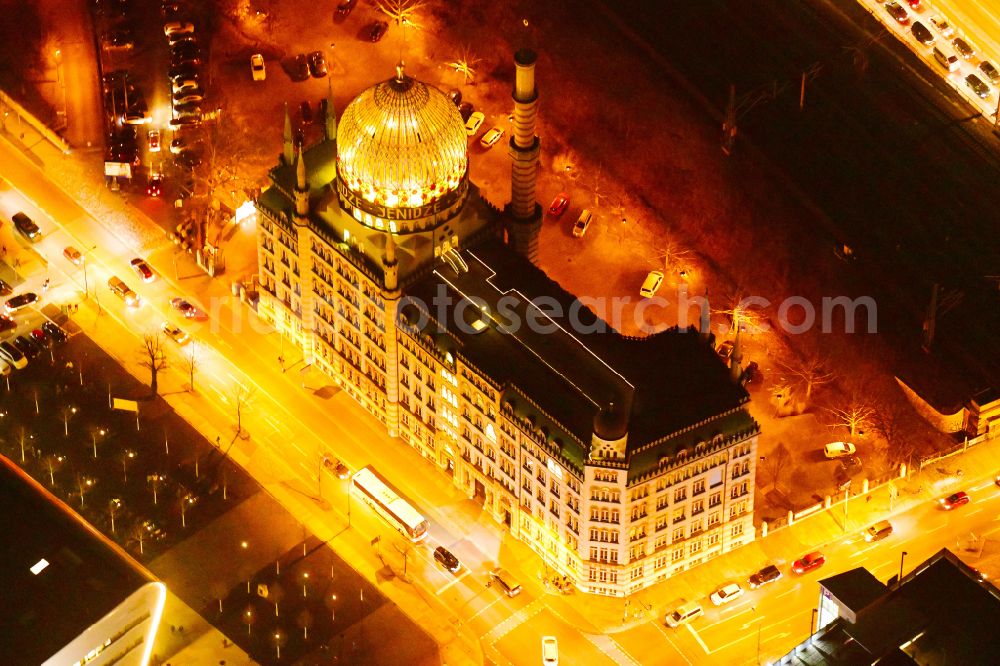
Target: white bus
<point>382,497</point>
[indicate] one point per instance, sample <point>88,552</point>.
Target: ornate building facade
<point>620,461</point>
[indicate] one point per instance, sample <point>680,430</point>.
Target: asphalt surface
<point>901,167</point>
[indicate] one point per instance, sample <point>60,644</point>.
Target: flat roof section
<point>84,579</point>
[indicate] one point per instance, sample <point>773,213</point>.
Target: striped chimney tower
<point>524,211</point>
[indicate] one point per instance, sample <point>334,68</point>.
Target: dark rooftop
<point>572,364</point>
<point>855,588</point>
<point>942,614</point>
<point>85,579</point>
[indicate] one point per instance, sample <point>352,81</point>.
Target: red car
<point>559,204</point>
<point>808,563</point>
<point>154,187</point>
<point>958,499</point>
<point>897,12</point>
<point>142,269</point>
<point>914,4</point>
<point>7,323</point>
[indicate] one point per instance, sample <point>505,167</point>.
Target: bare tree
<point>225,149</point>
<point>113,507</point>
<point>402,12</point>
<point>153,358</point>
<point>191,361</point>
<point>856,416</point>
<point>52,461</point>
<point>776,462</point>
<point>83,485</point>
<point>24,438</point>
<point>137,534</point>
<point>672,254</point>
<point>465,64</point>
<point>241,395</point>
<point>809,373</point>
<point>66,412</point>
<point>305,620</point>
<point>96,433</point>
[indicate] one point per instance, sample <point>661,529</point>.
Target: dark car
<point>964,49</point>
<point>183,72</point>
<point>377,30</point>
<point>321,110</point>
<point>39,338</point>
<point>117,39</point>
<point>465,110</point>
<point>897,12</point>
<point>922,34</point>
<point>300,137</point>
<point>344,9</point>
<point>768,574</point>
<point>154,187</point>
<point>317,64</point>
<point>444,557</point>
<point>808,562</point>
<point>183,307</point>
<point>989,71</point>
<point>951,501</point>
<point>306,110</point>
<point>189,159</point>
<point>455,96</point>
<point>977,86</point>
<point>5,289</point>
<point>15,303</point>
<point>26,227</point>
<point>54,332</point>
<point>7,323</point>
<point>27,347</point>
<point>299,68</point>
<point>752,374</point>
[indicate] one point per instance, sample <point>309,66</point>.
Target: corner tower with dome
<point>618,460</point>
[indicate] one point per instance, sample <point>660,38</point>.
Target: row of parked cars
<point>15,354</point>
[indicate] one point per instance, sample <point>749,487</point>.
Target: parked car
<point>178,28</point>
<point>726,593</point>
<point>183,72</point>
<point>977,86</point>
<point>897,12</point>
<point>455,96</point>
<point>153,141</point>
<point>10,353</point>
<point>5,289</point>
<point>306,110</point>
<point>117,39</point>
<point>39,337</point>
<point>956,499</point>
<point>123,291</point>
<point>808,562</point>
<point>651,284</point>
<point>188,97</point>
<point>26,227</point>
<point>582,223</point>
<point>444,557</point>
<point>183,307</point>
<point>317,64</point>
<point>922,34</point>
<point>55,333</point>
<point>257,69</point>
<point>768,574</point>
<point>299,68</point>
<point>465,110</point>
<point>752,374</point>
<point>27,347</point>
<point>878,531</point>
<point>344,9</point>
<point>964,49</point>
<point>989,71</point>
<point>142,269</point>
<point>559,205</point>
<point>15,303</point>
<point>839,450</point>
<point>914,4</point>
<point>941,24</point>
<point>377,30</point>
<point>474,122</point>
<point>174,333</point>
<point>7,323</point>
<point>491,137</point>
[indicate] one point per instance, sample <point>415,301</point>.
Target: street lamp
<point>847,491</point>
<point>902,556</point>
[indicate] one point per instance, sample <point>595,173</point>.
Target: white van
<point>582,223</point>
<point>550,651</point>
<point>684,613</point>
<point>651,284</point>
<point>947,60</point>
<point>506,582</point>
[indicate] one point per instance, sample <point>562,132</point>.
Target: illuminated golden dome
<point>401,144</point>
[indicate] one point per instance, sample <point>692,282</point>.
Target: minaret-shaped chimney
<point>301,191</point>
<point>330,122</point>
<point>288,152</point>
<point>524,212</point>
<point>736,358</point>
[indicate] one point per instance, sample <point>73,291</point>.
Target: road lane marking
<point>972,513</point>
<point>936,529</point>
<point>789,591</point>
<point>864,550</point>
<point>483,609</point>
<point>746,606</point>
<point>672,644</point>
<point>453,581</point>
<point>698,638</point>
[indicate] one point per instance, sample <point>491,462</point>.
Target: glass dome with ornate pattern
<point>401,144</point>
